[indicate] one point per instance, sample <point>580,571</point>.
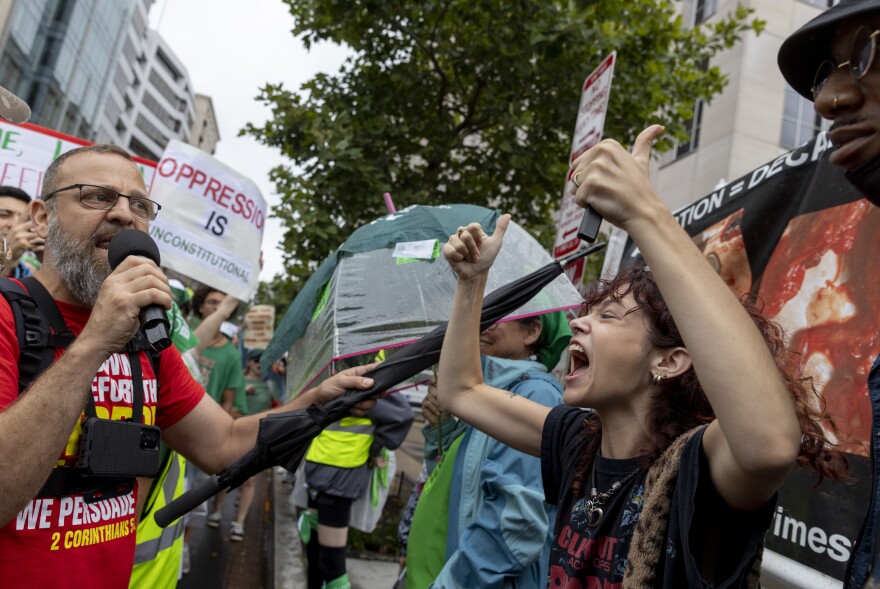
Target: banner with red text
<point>27,150</point>
<point>216,229</point>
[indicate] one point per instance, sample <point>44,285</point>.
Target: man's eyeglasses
<point>861,57</point>
<point>104,199</point>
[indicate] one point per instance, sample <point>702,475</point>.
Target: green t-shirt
<point>221,370</point>
<point>261,397</point>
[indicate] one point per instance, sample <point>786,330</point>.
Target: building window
<point>112,109</point>
<point>129,52</point>
<point>120,80</point>
<point>693,128</point>
<point>151,131</point>
<point>10,73</point>
<point>51,108</point>
<point>166,63</point>
<point>704,10</point>
<point>137,21</point>
<point>142,150</point>
<point>800,122</point>
<point>70,120</point>
<point>165,90</point>
<point>161,114</point>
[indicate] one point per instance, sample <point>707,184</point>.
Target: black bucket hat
<point>803,51</point>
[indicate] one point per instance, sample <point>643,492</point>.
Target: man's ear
<point>40,217</point>
<point>672,362</point>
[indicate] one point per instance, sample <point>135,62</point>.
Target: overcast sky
<point>232,48</point>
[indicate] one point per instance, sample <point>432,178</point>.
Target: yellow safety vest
<point>345,444</point>
<point>157,552</point>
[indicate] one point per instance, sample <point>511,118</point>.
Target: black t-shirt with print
<point>706,539</point>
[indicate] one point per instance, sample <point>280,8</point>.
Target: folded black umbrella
<point>284,437</point>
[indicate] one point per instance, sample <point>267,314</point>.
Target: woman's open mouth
<point>580,362</point>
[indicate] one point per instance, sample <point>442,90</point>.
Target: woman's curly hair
<point>680,404</point>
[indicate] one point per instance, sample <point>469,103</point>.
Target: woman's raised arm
<point>755,440</point>
<point>513,420</point>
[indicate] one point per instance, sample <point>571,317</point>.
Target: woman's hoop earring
<point>657,379</point>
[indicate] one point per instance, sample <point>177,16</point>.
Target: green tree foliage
<point>469,101</point>
<point>279,293</point>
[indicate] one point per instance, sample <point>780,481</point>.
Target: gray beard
<point>75,263</point>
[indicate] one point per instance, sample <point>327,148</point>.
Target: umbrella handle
<point>589,227</point>
<point>189,501</point>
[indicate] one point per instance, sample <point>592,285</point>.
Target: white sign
<point>27,150</point>
<point>211,224</point>
<point>259,327</point>
<point>422,250</point>
<point>587,133</point>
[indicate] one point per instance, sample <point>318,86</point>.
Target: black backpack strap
<point>60,336</point>
<point>36,341</point>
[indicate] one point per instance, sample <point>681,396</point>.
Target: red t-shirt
<point>62,541</point>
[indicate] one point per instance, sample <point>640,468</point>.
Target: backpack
<point>40,330</point>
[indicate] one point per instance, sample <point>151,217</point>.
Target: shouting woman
<point>696,416</point>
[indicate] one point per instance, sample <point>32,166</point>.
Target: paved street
<point>270,535</point>
<point>217,562</point>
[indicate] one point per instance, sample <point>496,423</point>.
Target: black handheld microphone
<point>132,242</point>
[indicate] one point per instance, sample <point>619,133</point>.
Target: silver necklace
<point>597,499</point>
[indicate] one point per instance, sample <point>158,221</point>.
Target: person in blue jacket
<point>481,520</point>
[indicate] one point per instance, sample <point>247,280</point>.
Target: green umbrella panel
<point>364,299</point>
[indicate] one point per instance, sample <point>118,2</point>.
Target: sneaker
<point>236,532</point>
<point>339,583</point>
<point>214,519</point>
<point>184,563</point>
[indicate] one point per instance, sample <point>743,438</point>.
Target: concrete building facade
<point>756,118</point>
<point>151,99</point>
<point>205,133</point>
<point>93,69</point>
<point>59,57</point>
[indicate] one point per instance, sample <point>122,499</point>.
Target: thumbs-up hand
<point>615,182</point>
<point>470,251</point>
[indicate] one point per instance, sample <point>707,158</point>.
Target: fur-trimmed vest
<point>649,538</point>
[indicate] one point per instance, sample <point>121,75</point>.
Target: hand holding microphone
<point>152,318</point>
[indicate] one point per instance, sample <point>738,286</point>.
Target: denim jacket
<point>499,523</point>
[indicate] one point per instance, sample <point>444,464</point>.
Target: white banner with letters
<point>211,224</point>
<point>27,150</point>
